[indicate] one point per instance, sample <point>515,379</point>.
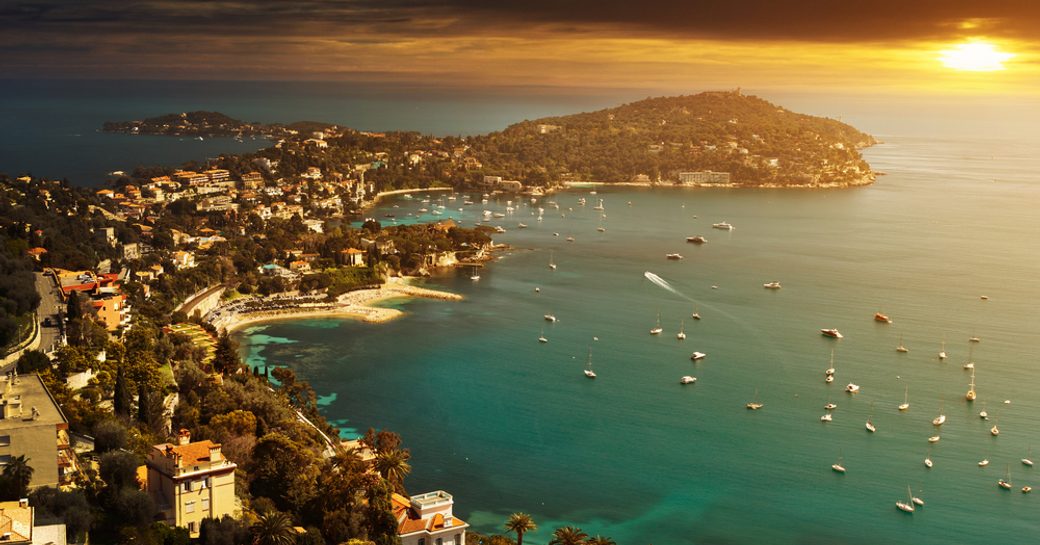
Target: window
<point>191,527</point>
<point>422,541</point>
<point>189,507</point>
<point>5,440</point>
<point>186,486</point>
<point>458,539</point>
<point>440,541</point>
<point>205,504</point>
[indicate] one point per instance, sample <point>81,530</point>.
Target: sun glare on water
<point>974,57</point>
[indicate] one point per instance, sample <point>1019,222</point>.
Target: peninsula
<point>712,139</point>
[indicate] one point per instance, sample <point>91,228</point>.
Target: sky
<point>868,50</point>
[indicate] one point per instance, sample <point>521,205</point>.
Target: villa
<point>426,519</point>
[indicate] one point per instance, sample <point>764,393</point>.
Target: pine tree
<point>121,396</point>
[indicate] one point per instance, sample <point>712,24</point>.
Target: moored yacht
<point>687,380</point>
<point>852,388</point>
<point>698,356</point>
<point>831,332</point>
<point>879,317</point>
<point>722,225</point>
<point>673,257</point>
<point>771,285</point>
<point>696,239</point>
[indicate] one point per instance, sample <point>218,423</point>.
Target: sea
<point>505,423</point>
<point>943,244</point>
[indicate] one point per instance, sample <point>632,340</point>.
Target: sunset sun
<point>974,57</point>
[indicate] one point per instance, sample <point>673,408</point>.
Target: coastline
<point>355,305</point>
<point>861,181</point>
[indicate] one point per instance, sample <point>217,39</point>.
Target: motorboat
<point>879,317</point>
<point>696,239</point>
<point>826,418</point>
<point>1028,460</point>
<point>917,501</point>
<point>754,404</point>
<point>687,380</point>
<point>829,379</point>
<point>870,426</point>
<point>832,333</point>
<point>550,317</point>
<point>698,356</point>
<point>852,388</point>
<point>830,406</point>
<point>934,439</point>
<point>771,285</point>
<point>674,257</point>
<point>983,463</point>
<point>928,462</point>
<point>722,225</point>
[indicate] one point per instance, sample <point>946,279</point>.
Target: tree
<point>520,523</point>
<point>15,478</point>
<point>394,467</point>
<point>109,434</point>
<point>121,397</point>
<point>274,528</point>
<point>568,535</point>
<point>225,358</point>
<point>32,361</point>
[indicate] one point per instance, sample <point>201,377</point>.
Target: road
<point>50,304</point>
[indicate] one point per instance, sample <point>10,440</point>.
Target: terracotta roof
<point>352,251</point>
<point>408,520</point>
<point>192,453</point>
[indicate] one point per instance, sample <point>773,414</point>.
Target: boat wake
<point>661,282</point>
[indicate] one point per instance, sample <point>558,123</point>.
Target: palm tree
<point>274,528</point>
<point>568,535</point>
<point>394,467</point>
<point>16,477</point>
<point>600,540</point>
<point>520,523</point>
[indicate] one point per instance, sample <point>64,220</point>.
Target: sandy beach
<point>356,304</point>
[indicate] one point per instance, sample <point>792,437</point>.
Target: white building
<point>427,519</point>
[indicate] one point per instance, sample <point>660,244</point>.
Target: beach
<point>358,304</point>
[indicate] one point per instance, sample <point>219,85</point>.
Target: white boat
<point>754,404</point>
<point>974,339</point>
<point>830,406</point>
<point>1005,483</point>
<point>657,329</point>
<point>830,370</point>
<point>681,335</point>
<point>829,379</point>
<point>941,419</point>
<point>673,257</point>
<point>928,461</point>
<point>722,225</point>
<point>983,414</point>
<point>598,206</point>
<point>902,349</point>
<point>837,466</point>
<point>970,396</point>
<point>852,388</point>
<point>983,463</point>
<point>474,277</point>
<point>552,263</point>
<point>588,366</point>
<point>697,239</point>
<point>687,380</point>
<point>908,505</point>
<point>1027,489</point>
<point>1028,460</point>
<point>995,431</point>
<point>906,399</point>
<point>696,315</point>
<point>550,317</point>
<point>917,501</point>
<point>970,364</point>
<point>831,332</point>
<point>934,439</point>
<point>541,337</point>
<point>601,229</point>
<point>698,356</point>
<point>771,285</point>
<point>942,351</point>
<point>521,226</point>
<point>556,234</point>
<point>870,419</point>
<point>826,418</point>
<point>570,239</point>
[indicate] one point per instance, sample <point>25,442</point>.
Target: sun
<point>974,57</point>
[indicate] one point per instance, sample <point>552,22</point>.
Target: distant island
<point>712,139</point>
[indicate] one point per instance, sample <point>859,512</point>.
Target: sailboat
<point>901,348</point>
<point>942,351</point>
<point>681,335</point>
<point>983,414</point>
<point>657,329</point>
<point>870,422</point>
<point>970,396</point>
<point>995,431</point>
<point>552,264</point>
<point>908,505</point>
<point>837,466</point>
<point>906,399</point>
<point>541,337</point>
<point>588,366</point>
<point>474,276</point>
<point>1028,460</point>
<point>1005,483</point>
<point>754,404</point>
<point>928,459</point>
<point>970,364</point>
<point>696,315</point>
<point>830,370</point>
<point>939,420</point>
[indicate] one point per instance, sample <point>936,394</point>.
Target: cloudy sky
<point>883,46</point>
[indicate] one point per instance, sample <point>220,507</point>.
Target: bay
<point>506,424</point>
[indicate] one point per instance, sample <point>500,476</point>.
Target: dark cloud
<point>806,20</point>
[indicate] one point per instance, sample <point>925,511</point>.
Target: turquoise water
<point>507,424</point>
